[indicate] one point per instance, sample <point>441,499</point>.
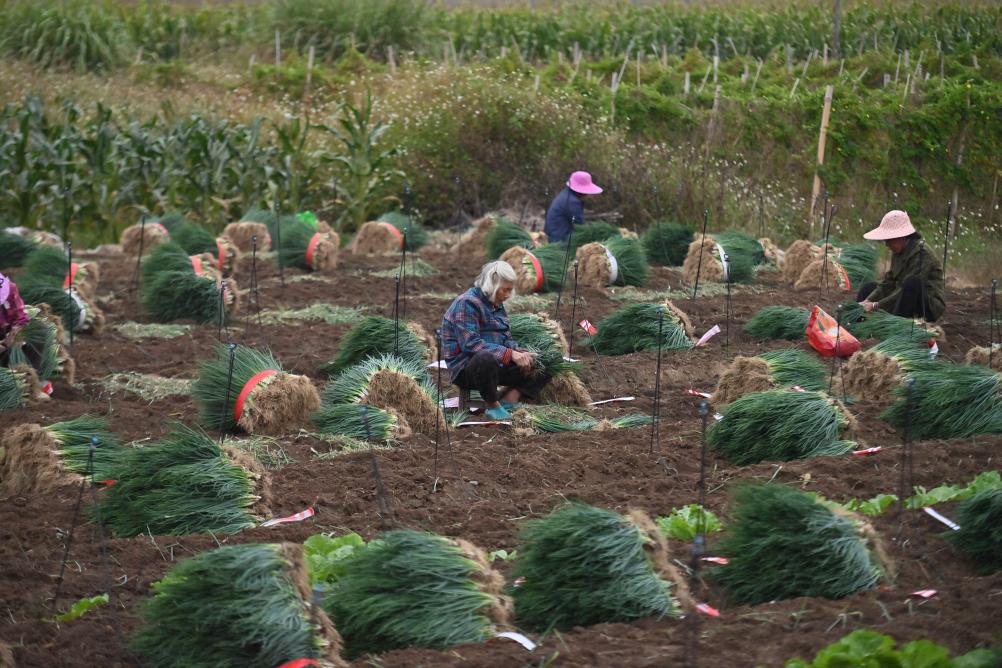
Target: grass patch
<point>267,450</point>
<point>304,278</point>
<point>530,303</point>
<point>443,296</point>
<point>322,312</point>
<point>708,289</point>
<point>345,445</point>
<point>142,330</point>
<point>415,267</point>
<point>146,386</point>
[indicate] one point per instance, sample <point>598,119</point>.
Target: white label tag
<point>697,393</point>
<point>298,517</point>
<point>936,516</point>
<point>451,402</point>
<point>609,401</point>
<point>438,365</point>
<point>613,266</point>
<point>519,638</point>
<point>722,254</point>
<point>710,333</point>
<point>475,423</point>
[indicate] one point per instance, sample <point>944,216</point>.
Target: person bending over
<point>12,316</point>
<point>478,347</point>
<point>567,208</point>
<point>913,288</point>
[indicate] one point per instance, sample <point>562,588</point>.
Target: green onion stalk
<point>357,421</point>
<point>742,246</point>
<point>792,366</point>
<point>859,262</point>
<point>352,385</point>
<point>778,322</point>
<point>296,239</point>
<point>40,291</point>
<point>782,543</point>
<point>415,589</point>
<point>631,260</point>
<point>667,243</point>
<point>182,485</point>
<point>15,388</point>
<point>595,231</point>
<point>980,534</point>
<point>73,440</point>
<point>195,239</point>
<point>165,256</point>
<point>232,607</point>
<point>14,249</point>
<point>373,336</point>
<point>948,401</point>
<point>184,295</point>
<point>583,565</point>
<point>42,337</point>
<point>536,334</point>
<point>552,262</point>
<point>635,327</point>
<point>882,325</point>
<point>504,235</point>
<point>780,425</point>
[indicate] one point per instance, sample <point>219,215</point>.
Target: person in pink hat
<point>913,287</point>
<point>567,208</point>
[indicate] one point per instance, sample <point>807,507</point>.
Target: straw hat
<point>580,182</point>
<point>894,225</point>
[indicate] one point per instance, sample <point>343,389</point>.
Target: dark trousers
<point>483,374</point>
<point>912,302</point>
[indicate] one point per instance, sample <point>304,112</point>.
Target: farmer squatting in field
<point>479,349</point>
<point>913,287</point>
<point>13,318</point>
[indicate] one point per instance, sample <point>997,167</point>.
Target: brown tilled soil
<point>488,481</point>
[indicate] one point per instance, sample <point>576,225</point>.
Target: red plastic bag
<point>823,331</point>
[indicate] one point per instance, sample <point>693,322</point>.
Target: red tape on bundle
<point>196,264</point>
<point>396,232</point>
<point>300,663</point>
<point>538,268</point>
<point>846,283</point>
<point>823,333</point>
<point>311,247</point>
<point>222,254</point>
<point>72,276</point>
<point>245,393</point>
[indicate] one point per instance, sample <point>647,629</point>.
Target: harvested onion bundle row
<point>503,235</point>
<point>727,257</point>
<point>361,421</point>
<point>304,247</point>
<point>51,265</point>
<point>667,243</point>
<point>636,327</point>
<point>143,236</point>
<point>376,335</point>
<point>770,370</point>
<point>778,322</point>
<point>539,270</point>
<point>875,373</point>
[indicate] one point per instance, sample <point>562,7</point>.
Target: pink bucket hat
<point>894,225</point>
<point>580,182</point>
<point>4,288</point>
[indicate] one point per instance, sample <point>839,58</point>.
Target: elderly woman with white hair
<point>479,349</point>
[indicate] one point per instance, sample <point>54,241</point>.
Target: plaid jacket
<point>471,325</point>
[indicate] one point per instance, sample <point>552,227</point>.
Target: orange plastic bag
<point>827,337</point>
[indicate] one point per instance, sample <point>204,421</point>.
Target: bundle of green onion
<point>778,322</point>
<point>636,327</point>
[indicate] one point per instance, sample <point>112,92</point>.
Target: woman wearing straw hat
<point>913,288</point>
<point>478,347</point>
<point>567,208</point>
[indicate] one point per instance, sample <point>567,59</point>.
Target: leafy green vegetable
<point>81,607</point>
<point>869,649</point>
<point>684,523</point>
<point>326,556</point>
<point>872,507</point>
<point>503,555</point>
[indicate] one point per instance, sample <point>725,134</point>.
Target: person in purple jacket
<point>567,208</point>
<point>478,347</point>
<point>12,314</point>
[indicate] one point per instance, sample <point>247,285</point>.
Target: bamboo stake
<point>758,70</point>
<point>822,137</point>
<point>278,49</point>
<point>687,84</point>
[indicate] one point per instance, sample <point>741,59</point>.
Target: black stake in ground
<point>402,274</point>
<point>907,472</point>
<point>728,304</point>
<point>69,538</point>
<point>139,258</point>
<point>229,383</point>
<point>698,548</point>
<point>946,238</point>
<point>838,336</point>
<point>105,557</point>
<point>277,209</point>
<point>441,407</point>
<point>222,308</point>
<point>699,265</point>
<point>563,275</point>
<point>574,312</point>
<point>69,279</point>
<point>994,326</point>
<point>826,226</point>
<point>384,505</point>
<point>656,408</point>
<point>396,318</point>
